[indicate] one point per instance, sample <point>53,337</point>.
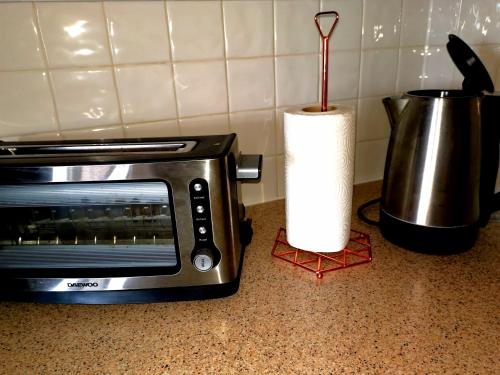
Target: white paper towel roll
<point>319,176</point>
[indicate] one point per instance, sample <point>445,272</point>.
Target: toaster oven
<point>123,221</point>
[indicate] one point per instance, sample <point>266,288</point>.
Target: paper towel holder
<point>358,251</point>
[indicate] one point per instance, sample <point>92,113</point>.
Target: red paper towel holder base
<point>358,251</point>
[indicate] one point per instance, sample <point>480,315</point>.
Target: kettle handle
<point>496,202</point>
<point>490,138</point>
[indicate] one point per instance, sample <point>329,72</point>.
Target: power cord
<point>363,207</point>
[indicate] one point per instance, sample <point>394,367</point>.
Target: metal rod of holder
<point>324,61</point>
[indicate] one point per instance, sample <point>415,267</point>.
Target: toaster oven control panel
<point>205,255</point>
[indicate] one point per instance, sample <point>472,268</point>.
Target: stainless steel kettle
<point>442,161</point>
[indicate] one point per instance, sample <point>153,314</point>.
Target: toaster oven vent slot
<point>85,194</point>
<point>97,148</point>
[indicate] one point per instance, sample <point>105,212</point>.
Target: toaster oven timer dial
<point>203,260</point>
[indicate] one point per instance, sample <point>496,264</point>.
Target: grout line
<point>275,31</point>
<point>360,58</point>
<point>96,66</point>
<point>275,107</point>
<point>45,58</point>
<point>319,75</point>
<point>230,128</point>
<point>275,57</point>
<point>359,85</point>
<point>398,64</point>
<point>172,71</point>
<point>250,57</point>
<point>459,17</point>
<point>426,46</point>
<point>152,122</point>
<point>373,140</point>
<point>67,68</point>
<point>454,68</point>
<point>113,70</point>
<point>166,62</point>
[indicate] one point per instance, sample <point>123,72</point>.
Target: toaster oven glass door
<point>88,230</point>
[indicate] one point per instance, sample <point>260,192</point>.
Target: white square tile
<point>201,88</point>
<point>295,31</point>
<point>205,125</point>
<point>85,98</point>
<point>378,72</point>
<point>25,103</point>
<point>410,69</point>
<point>146,92</point>
<point>113,132</point>
<point>265,190</point>
<point>490,56</point>
<point>248,28</point>
<point>137,31</point>
<point>19,41</point>
<point>381,23</point>
<point>440,72</point>
<point>414,23</point>
<point>348,102</point>
<point>497,81</point>
<point>280,130</point>
<point>250,83</point>
<point>480,21</point>
<point>370,160</point>
<point>153,129</point>
<point>74,33</point>
<point>497,189</point>
<point>444,18</point>
<point>372,121</point>
<point>195,30</point>
<point>256,131</point>
<point>280,176</point>
<point>343,76</point>
<point>296,80</point>
<point>347,33</point>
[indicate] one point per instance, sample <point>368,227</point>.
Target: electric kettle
<point>442,161</point>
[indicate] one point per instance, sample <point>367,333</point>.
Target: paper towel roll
<point>319,176</point>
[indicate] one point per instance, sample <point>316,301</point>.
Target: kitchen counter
<point>403,313</point>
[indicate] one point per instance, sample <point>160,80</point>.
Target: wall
<point>152,68</point>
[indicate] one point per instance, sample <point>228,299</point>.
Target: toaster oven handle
<point>249,168</point>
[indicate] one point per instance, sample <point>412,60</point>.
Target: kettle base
<point>429,240</point>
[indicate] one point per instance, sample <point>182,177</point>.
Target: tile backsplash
<point>116,69</point>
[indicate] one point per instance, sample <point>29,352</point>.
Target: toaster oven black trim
<point>8,274</point>
<point>188,293</point>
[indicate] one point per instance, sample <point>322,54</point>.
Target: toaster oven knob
<point>203,260</point>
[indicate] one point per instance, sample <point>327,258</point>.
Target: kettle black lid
<point>476,77</point>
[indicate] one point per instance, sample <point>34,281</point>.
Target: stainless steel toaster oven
<point>123,221</point>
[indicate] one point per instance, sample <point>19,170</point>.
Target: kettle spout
<point>394,106</point>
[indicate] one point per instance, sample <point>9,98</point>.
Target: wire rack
<point>358,251</point>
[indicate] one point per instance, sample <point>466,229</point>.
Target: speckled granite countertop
<point>404,313</point>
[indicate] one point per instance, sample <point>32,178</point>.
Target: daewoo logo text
<point>82,285</point>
